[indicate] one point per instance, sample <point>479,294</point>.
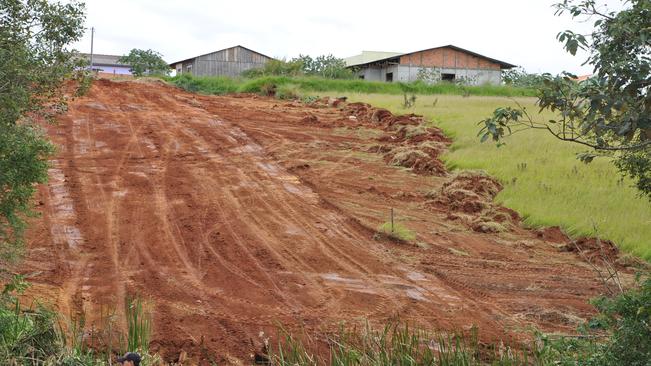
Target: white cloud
<point>515,31</point>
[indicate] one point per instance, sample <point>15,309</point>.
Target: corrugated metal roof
<point>503,65</point>
<point>187,59</point>
<point>369,56</point>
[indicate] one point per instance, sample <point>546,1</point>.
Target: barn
<point>447,63</point>
<point>227,62</point>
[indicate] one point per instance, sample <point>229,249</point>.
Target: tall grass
<point>396,230</point>
<point>138,316</point>
<point>36,335</point>
<point>542,178</point>
<point>396,344</point>
<point>224,85</point>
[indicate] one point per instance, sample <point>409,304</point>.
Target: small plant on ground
<point>138,314</point>
<point>409,101</point>
<point>395,230</point>
<point>287,92</point>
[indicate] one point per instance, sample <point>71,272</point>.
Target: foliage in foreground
<point>35,335</point>
<point>619,335</point>
<point>610,113</point>
<point>34,63</point>
<point>260,85</point>
<point>145,62</point>
<point>394,344</point>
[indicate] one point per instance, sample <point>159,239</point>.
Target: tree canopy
<point>326,66</point>
<point>610,113</point>
<point>145,62</point>
<point>34,63</point>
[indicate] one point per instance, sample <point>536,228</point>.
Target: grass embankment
<point>542,178</point>
<point>225,85</point>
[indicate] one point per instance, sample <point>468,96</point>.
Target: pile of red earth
<point>468,197</point>
<point>366,113</point>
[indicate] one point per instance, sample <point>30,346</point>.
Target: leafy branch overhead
<point>34,62</point>
<point>611,111</point>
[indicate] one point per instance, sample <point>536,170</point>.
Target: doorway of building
<point>389,77</point>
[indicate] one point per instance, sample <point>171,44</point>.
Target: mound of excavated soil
<point>421,158</point>
<point>366,113</point>
<point>468,197</point>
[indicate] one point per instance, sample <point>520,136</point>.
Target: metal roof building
<point>447,63</point>
<point>227,62</point>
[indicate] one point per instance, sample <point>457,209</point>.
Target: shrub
<point>221,85</point>
<point>287,91</point>
<point>396,231</point>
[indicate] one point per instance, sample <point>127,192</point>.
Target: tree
<point>145,62</point>
<point>323,66</point>
<point>327,66</point>
<point>34,64</point>
<point>521,78</point>
<point>610,113</point>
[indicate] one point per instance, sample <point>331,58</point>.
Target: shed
<point>227,62</point>
<point>447,63</point>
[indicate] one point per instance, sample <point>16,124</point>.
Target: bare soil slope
<point>231,213</point>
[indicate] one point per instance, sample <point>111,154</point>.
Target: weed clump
<point>396,231</point>
<point>287,92</point>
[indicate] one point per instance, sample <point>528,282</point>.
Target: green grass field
<point>542,178</point>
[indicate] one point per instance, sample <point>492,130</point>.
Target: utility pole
<point>92,36</point>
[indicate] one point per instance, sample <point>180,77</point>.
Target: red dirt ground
<point>231,213</point>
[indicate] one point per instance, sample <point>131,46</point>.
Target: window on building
<point>361,77</point>
<point>188,69</point>
<point>448,77</point>
<point>389,77</point>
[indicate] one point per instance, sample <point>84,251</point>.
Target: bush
<point>287,91</point>
<point>397,231</point>
<point>222,85</point>
<point>35,336</point>
<point>276,68</point>
<point>212,85</point>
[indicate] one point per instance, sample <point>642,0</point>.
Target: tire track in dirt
<point>190,202</point>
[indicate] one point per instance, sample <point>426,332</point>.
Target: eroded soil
<point>233,213</point>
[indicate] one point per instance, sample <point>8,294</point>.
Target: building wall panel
<point>449,58</point>
<point>229,62</point>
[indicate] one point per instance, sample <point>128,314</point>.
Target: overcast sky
<point>520,32</point>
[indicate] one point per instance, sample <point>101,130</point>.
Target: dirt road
<point>231,213</point>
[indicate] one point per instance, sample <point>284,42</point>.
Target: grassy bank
<point>542,178</point>
<point>224,85</point>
